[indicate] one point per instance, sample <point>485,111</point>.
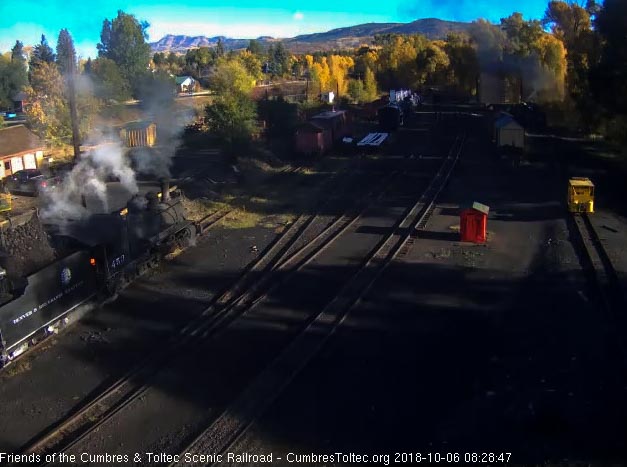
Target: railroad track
<point>211,220</point>
<point>281,258</point>
<point>258,396</point>
<point>600,268</point>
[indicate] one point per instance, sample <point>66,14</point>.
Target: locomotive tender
<point>102,255</point>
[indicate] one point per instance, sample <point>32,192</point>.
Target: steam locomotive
<point>99,257</point>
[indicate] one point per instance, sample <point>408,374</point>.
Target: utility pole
<point>71,87</point>
<point>66,59</point>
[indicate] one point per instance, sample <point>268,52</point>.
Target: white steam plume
<point>73,197</point>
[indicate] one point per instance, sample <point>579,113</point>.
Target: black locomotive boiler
<point>99,256</point>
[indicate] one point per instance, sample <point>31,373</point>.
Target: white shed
<point>327,97</point>
<point>508,132</point>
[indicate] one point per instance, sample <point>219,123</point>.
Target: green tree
<point>356,90</point>
<point>42,53</point>
<point>281,117</point>
<point>220,48</point>
<point>232,117</point>
<point>232,114</point>
<point>254,47</point>
<point>123,40</point>
<point>197,61</point>
<point>17,52</point>
<point>464,63</point>
<point>521,35</point>
<point>370,86</point>
<point>66,53</point>
<point>159,59</point>
<point>12,79</point>
<point>66,61</point>
<point>49,115</point>
<point>433,64</point>
<point>609,78</point>
<point>231,76</point>
<point>252,63</point>
<point>279,59</point>
<point>572,24</point>
<point>108,81</point>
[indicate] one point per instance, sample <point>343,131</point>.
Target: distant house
<point>185,83</point>
<point>20,101</point>
<point>20,149</point>
<point>508,132</point>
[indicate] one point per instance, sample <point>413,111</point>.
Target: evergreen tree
<point>254,47</point>
<point>66,53</point>
<point>66,61</point>
<point>17,52</point>
<point>220,48</point>
<point>42,53</point>
<point>609,78</point>
<point>12,79</point>
<point>123,40</point>
<point>280,60</point>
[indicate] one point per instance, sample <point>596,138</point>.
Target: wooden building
<point>312,139</point>
<point>338,122</point>
<point>139,134</point>
<point>318,135</point>
<point>20,149</point>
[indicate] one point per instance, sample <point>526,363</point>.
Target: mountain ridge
<point>338,38</point>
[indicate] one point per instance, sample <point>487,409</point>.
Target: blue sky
<point>28,19</point>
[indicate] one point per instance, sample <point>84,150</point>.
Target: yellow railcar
<point>580,195</point>
<point>139,134</point>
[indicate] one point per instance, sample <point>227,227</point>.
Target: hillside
<point>181,43</point>
<point>340,38</point>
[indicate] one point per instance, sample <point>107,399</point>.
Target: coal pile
<point>25,248</point>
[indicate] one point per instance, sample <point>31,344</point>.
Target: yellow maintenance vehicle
<point>580,195</point>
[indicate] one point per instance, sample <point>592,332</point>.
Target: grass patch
<point>17,368</point>
<point>240,218</point>
<point>196,209</point>
<point>258,200</point>
<point>279,221</point>
<point>308,171</point>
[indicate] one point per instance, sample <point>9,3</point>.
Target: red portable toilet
<point>473,223</point>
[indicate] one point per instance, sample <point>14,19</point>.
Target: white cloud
<point>298,16</point>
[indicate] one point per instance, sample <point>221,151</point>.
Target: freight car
<point>101,255</point>
<point>390,117</point>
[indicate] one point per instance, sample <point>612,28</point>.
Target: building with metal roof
<point>20,149</point>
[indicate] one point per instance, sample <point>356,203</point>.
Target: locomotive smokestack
<point>165,190</point>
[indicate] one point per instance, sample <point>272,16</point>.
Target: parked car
<point>28,182</point>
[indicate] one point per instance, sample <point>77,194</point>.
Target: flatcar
<point>102,254</point>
